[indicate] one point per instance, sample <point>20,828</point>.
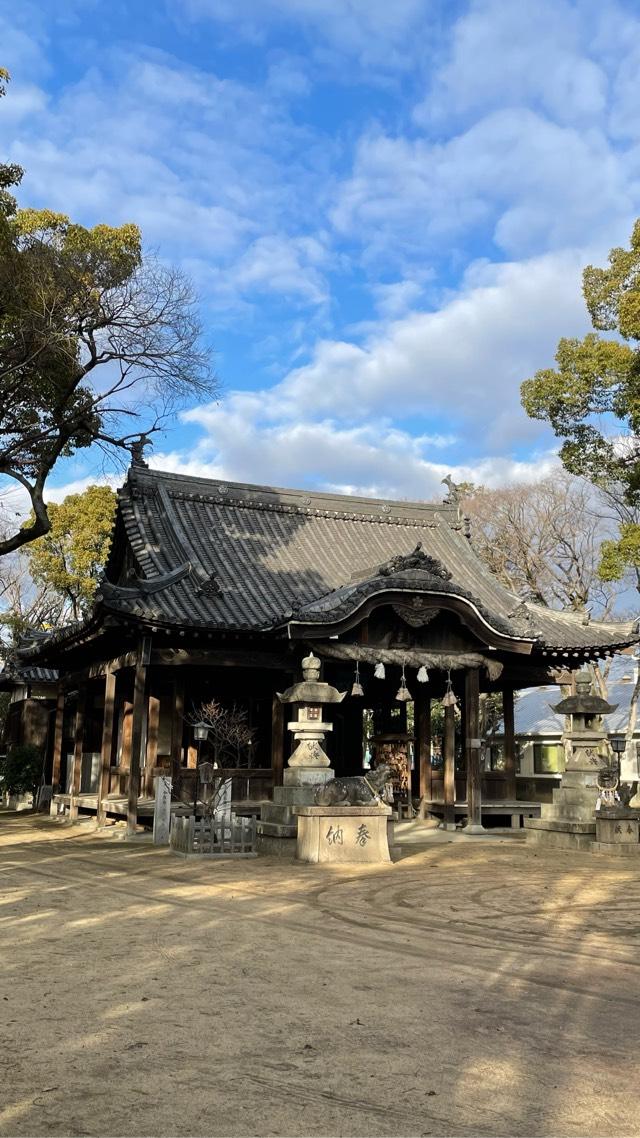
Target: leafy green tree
<point>69,559</point>
<point>592,399</point>
<point>21,769</point>
<point>99,342</point>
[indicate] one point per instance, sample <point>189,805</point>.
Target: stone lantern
<point>309,729</point>
<point>308,765</point>
<point>569,821</point>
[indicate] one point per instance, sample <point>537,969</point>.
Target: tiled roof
<point>231,555</point>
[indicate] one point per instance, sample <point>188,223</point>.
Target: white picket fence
<point>231,835</point>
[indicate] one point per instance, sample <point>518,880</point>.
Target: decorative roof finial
<point>453,496</point>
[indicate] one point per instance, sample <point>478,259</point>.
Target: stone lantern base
<point>277,829</point>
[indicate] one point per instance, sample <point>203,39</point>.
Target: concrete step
<point>578,795</point>
<point>569,812</point>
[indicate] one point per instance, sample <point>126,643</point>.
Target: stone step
<point>561,825</point>
<point>579,795</point>
<point>294,795</point>
<point>272,812</point>
<point>276,830</point>
<point>571,812</point>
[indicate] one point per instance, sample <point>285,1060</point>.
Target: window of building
<point>548,758</point>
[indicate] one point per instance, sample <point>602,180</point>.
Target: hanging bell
<point>379,671</point>
<point>357,688</point>
<point>423,675</point>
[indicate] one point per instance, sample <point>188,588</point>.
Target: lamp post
<point>618,746</point>
<point>200,733</point>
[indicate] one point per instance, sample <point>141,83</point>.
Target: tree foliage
<point>69,559</point>
<point>99,341</point>
<point>21,769</point>
<point>592,398</point>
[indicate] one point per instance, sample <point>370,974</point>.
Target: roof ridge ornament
<point>420,560</point>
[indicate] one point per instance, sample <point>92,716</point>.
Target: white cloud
<point>375,460</point>
<point>464,361</point>
<point>538,54</point>
<point>379,34</point>
<point>524,181</point>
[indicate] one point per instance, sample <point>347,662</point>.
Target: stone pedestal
<point>278,825</point>
<point>618,832</point>
<point>342,834</point>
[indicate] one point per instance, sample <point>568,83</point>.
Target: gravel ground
<point>468,989</point>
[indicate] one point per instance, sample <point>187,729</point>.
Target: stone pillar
<point>472,749</point>
<point>449,762</point>
<point>107,744</point>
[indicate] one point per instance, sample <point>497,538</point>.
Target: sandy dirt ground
<point>468,989</point>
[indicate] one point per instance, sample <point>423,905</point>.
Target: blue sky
<point>385,206</point>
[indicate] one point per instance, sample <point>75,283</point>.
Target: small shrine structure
<point>217,590</point>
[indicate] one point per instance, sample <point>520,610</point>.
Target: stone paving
<point>471,988</point>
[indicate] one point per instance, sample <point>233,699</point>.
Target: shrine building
<point>216,590</point>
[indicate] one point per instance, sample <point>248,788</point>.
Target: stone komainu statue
<point>361,790</point>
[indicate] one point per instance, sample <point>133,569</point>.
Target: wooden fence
<point>229,836</point>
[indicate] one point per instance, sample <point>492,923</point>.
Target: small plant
<point>21,769</point>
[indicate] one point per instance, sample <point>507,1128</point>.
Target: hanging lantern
<point>357,688</point>
<point>379,671</point>
<point>449,698</point>
<point>423,675</point>
<point>403,694</point>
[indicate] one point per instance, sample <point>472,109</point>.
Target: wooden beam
<point>422,724</point>
<point>137,735</point>
<point>56,767</point>
<point>449,759</point>
<point>509,742</point>
<point>277,740</point>
<point>107,744</point>
<point>77,754</point>
<point>472,749</point>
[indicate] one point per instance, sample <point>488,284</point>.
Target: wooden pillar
<point>77,753</point>
<point>177,728</point>
<point>509,743</point>
<point>107,744</point>
<point>137,733</point>
<point>153,726</point>
<point>422,730</point>
<point>449,759</point>
<point>472,749</point>
<point>277,740</point>
<point>56,767</point>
